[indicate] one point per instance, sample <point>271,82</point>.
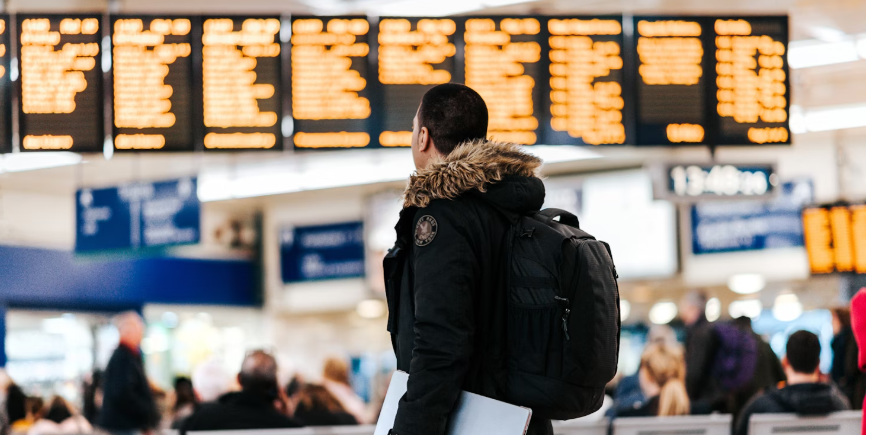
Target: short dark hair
<point>259,374</point>
<point>803,352</point>
<point>453,114</point>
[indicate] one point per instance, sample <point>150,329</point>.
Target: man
<point>128,404</point>
<point>700,349</point>
<point>445,277</point>
<point>257,406</point>
<point>804,393</point>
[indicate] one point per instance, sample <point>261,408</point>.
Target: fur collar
<point>472,165</point>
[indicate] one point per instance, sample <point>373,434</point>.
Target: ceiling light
<point>331,169</point>
<point>17,162</point>
<point>746,283</point>
<point>787,307</point>
<point>751,308</point>
<point>834,118</point>
<point>810,53</point>
<point>663,312</point>
<point>713,309</point>
<point>371,308</point>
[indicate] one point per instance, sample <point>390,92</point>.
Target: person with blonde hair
<point>337,380</point>
<point>662,375</point>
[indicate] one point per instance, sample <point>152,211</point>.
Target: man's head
<point>802,362</point>
<point>449,115</point>
<point>131,328</point>
<point>692,307</point>
<point>259,374</point>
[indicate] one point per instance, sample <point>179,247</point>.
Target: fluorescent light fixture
<point>18,162</point>
<point>331,169</point>
<point>663,312</point>
<point>713,309</point>
<point>810,53</point>
<point>827,34</point>
<point>746,283</point>
<point>751,308</point>
<point>827,118</point>
<point>787,307</point>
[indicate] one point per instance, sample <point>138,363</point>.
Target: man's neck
<point>802,378</point>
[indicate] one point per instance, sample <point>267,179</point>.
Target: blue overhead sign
<point>138,215</point>
<point>731,226</point>
<point>322,252</point>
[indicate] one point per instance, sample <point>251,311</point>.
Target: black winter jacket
<point>802,399</point>
<point>128,404</point>
<point>445,275</point>
<point>238,411</point>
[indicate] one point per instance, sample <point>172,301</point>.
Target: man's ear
<point>424,141</point>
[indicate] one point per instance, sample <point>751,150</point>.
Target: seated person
<point>60,418</point>
<point>318,407</point>
<point>258,406</point>
<point>661,377</point>
<point>804,393</point>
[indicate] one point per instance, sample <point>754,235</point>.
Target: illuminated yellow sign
<point>583,102</point>
<point>395,138</point>
<point>341,139</point>
<point>835,239</point>
<point>47,142</point>
<point>323,82</point>
<point>50,79</point>
<point>670,52</point>
<point>751,79</point>
<point>230,93</point>
<point>406,57</point>
<point>141,64</point>
<point>691,133</point>
<point>494,67</point>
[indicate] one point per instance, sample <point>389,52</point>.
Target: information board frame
<point>98,117</point>
<point>194,110</point>
<point>6,87</point>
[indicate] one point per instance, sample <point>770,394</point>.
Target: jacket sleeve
<point>445,272</point>
<point>700,349</point>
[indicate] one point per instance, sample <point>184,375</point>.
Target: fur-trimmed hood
<point>480,166</point>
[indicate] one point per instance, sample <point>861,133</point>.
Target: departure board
<point>835,238</point>
<point>752,97</point>
<point>5,87</point>
<point>414,54</point>
<point>502,56</point>
<point>152,83</point>
<point>61,104</point>
<point>671,92</point>
<point>241,72</point>
<point>585,90</point>
<point>329,82</point>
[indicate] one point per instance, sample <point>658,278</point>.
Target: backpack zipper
<point>566,315</point>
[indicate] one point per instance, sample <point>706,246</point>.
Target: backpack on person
<point>563,320</point>
<point>735,359</point>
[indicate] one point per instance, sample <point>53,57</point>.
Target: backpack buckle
<point>527,232</point>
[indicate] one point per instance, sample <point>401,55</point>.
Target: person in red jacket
<point>857,317</point>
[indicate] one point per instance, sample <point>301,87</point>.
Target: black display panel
<point>502,61</point>
<point>152,83</point>
<point>331,82</point>
<point>584,95</point>
<point>752,80</point>
<point>241,83</point>
<point>61,104</point>
<point>670,77</point>
<point>5,87</point>
<point>414,54</point>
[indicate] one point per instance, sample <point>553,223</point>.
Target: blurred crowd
<point>721,367</point>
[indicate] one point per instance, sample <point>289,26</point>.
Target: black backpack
<point>563,316</point>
